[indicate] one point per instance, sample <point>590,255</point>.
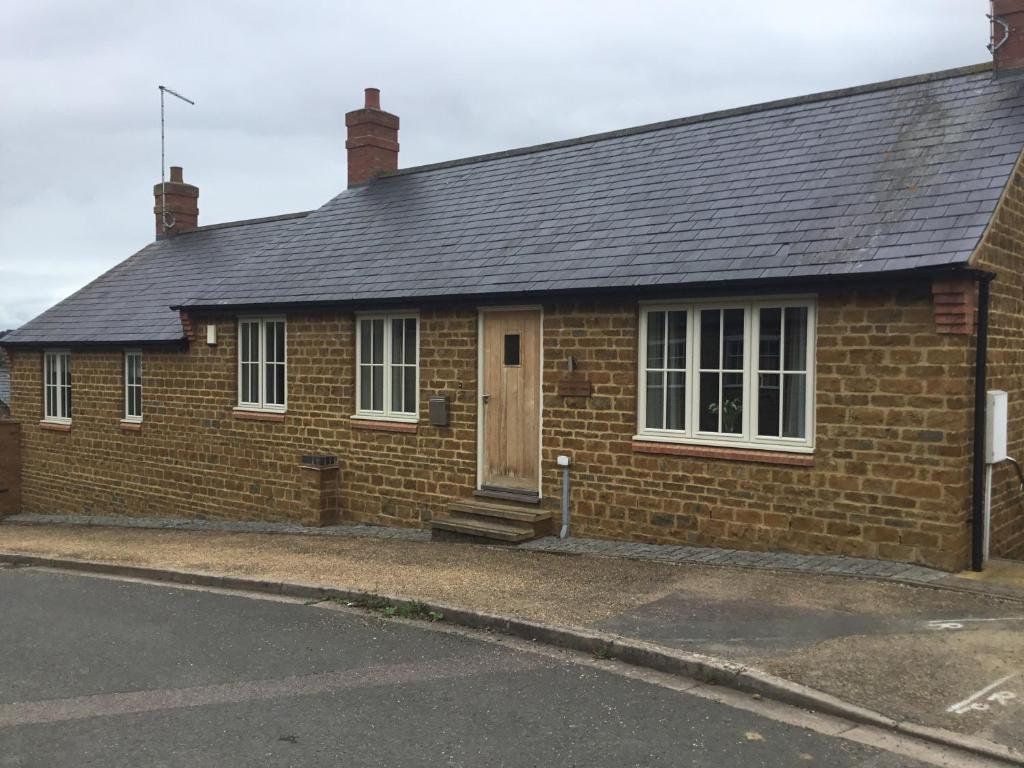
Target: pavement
<point>121,674</point>
<point>931,654</point>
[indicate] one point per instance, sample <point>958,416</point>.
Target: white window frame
<point>128,386</point>
<point>386,414</point>
<point>260,403</point>
<point>747,437</point>
<point>62,359</point>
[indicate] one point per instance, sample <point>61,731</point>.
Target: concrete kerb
<point>706,669</point>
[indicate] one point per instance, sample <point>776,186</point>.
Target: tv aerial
<point>167,219</point>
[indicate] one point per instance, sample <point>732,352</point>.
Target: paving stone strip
<point>665,553</point>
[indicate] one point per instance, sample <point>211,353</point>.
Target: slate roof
<point>131,302</point>
<point>877,179</point>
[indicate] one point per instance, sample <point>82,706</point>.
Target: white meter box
<point>995,428</point>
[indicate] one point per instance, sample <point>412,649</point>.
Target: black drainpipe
<point>980,378</point>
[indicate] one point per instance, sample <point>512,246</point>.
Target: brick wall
<point>890,476</point>
<point>10,467</point>
<point>1002,251</point>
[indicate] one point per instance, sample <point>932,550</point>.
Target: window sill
<point>243,414</point>
<point>55,426</point>
<point>753,455</point>
<point>376,425</point>
<point>128,425</point>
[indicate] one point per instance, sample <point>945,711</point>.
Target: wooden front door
<point>510,399</point>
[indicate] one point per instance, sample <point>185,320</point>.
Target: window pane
<point>245,384</point>
<point>656,340</point>
<point>676,339</point>
<point>279,384</point>
<point>270,384</point>
<point>365,344</point>
<point>410,340</point>
<point>708,419</point>
<point>733,332</point>
<point>397,341</point>
<point>243,341</point>
<point>512,349</point>
<point>279,332</point>
<point>269,343</point>
<point>410,390</point>
<point>796,339</point>
<point>377,349</point>
<point>397,389</point>
<point>378,387</point>
<point>771,337</point>
<point>732,403</point>
<point>66,413</point>
<point>675,408</point>
<point>710,339</point>
<point>794,408</point>
<point>655,400</point>
<point>768,405</point>
<point>365,388</point>
<point>254,342</point>
<point>66,369</point>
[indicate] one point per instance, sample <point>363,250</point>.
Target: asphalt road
<point>97,672</point>
<point>936,658</point>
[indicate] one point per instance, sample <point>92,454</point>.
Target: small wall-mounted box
<point>995,429</point>
<point>438,411</point>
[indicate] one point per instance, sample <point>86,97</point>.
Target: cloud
<point>79,132</point>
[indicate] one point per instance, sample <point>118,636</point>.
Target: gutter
<point>980,380</point>
<point>678,290</point>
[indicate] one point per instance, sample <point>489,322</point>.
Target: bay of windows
<point>728,373</point>
<point>57,386</point>
<point>387,381</point>
<point>262,363</point>
<point>133,386</point>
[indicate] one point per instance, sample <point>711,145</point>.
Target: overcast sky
<point>79,106</point>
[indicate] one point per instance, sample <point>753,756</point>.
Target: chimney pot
<point>372,140</point>
<point>175,205</point>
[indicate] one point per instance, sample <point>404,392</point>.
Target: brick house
<point>759,328</point>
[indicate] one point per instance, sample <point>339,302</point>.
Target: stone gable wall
<point>1002,251</point>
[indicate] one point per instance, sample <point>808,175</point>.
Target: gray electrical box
<point>438,411</point>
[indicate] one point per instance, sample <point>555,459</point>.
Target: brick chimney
<point>182,205</point>
<point>372,141</point>
<point>1007,30</point>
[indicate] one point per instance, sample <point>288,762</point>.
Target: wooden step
<point>502,511</point>
<point>521,497</point>
<point>473,528</point>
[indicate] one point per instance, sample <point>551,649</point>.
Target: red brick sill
<point>51,426</point>
<point>242,415</point>
<point>131,426</point>
<point>371,425</point>
<point>725,454</point>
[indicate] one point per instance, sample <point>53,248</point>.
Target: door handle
<point>485,397</point>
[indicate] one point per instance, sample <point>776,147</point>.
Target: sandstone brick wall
<point>10,467</point>
<point>1002,251</point>
<point>890,475</point>
<point>891,472</point>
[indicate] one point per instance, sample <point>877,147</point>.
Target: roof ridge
<point>243,222</point>
<point>704,117</point>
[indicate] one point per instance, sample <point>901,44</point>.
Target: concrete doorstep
<point>707,669</point>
